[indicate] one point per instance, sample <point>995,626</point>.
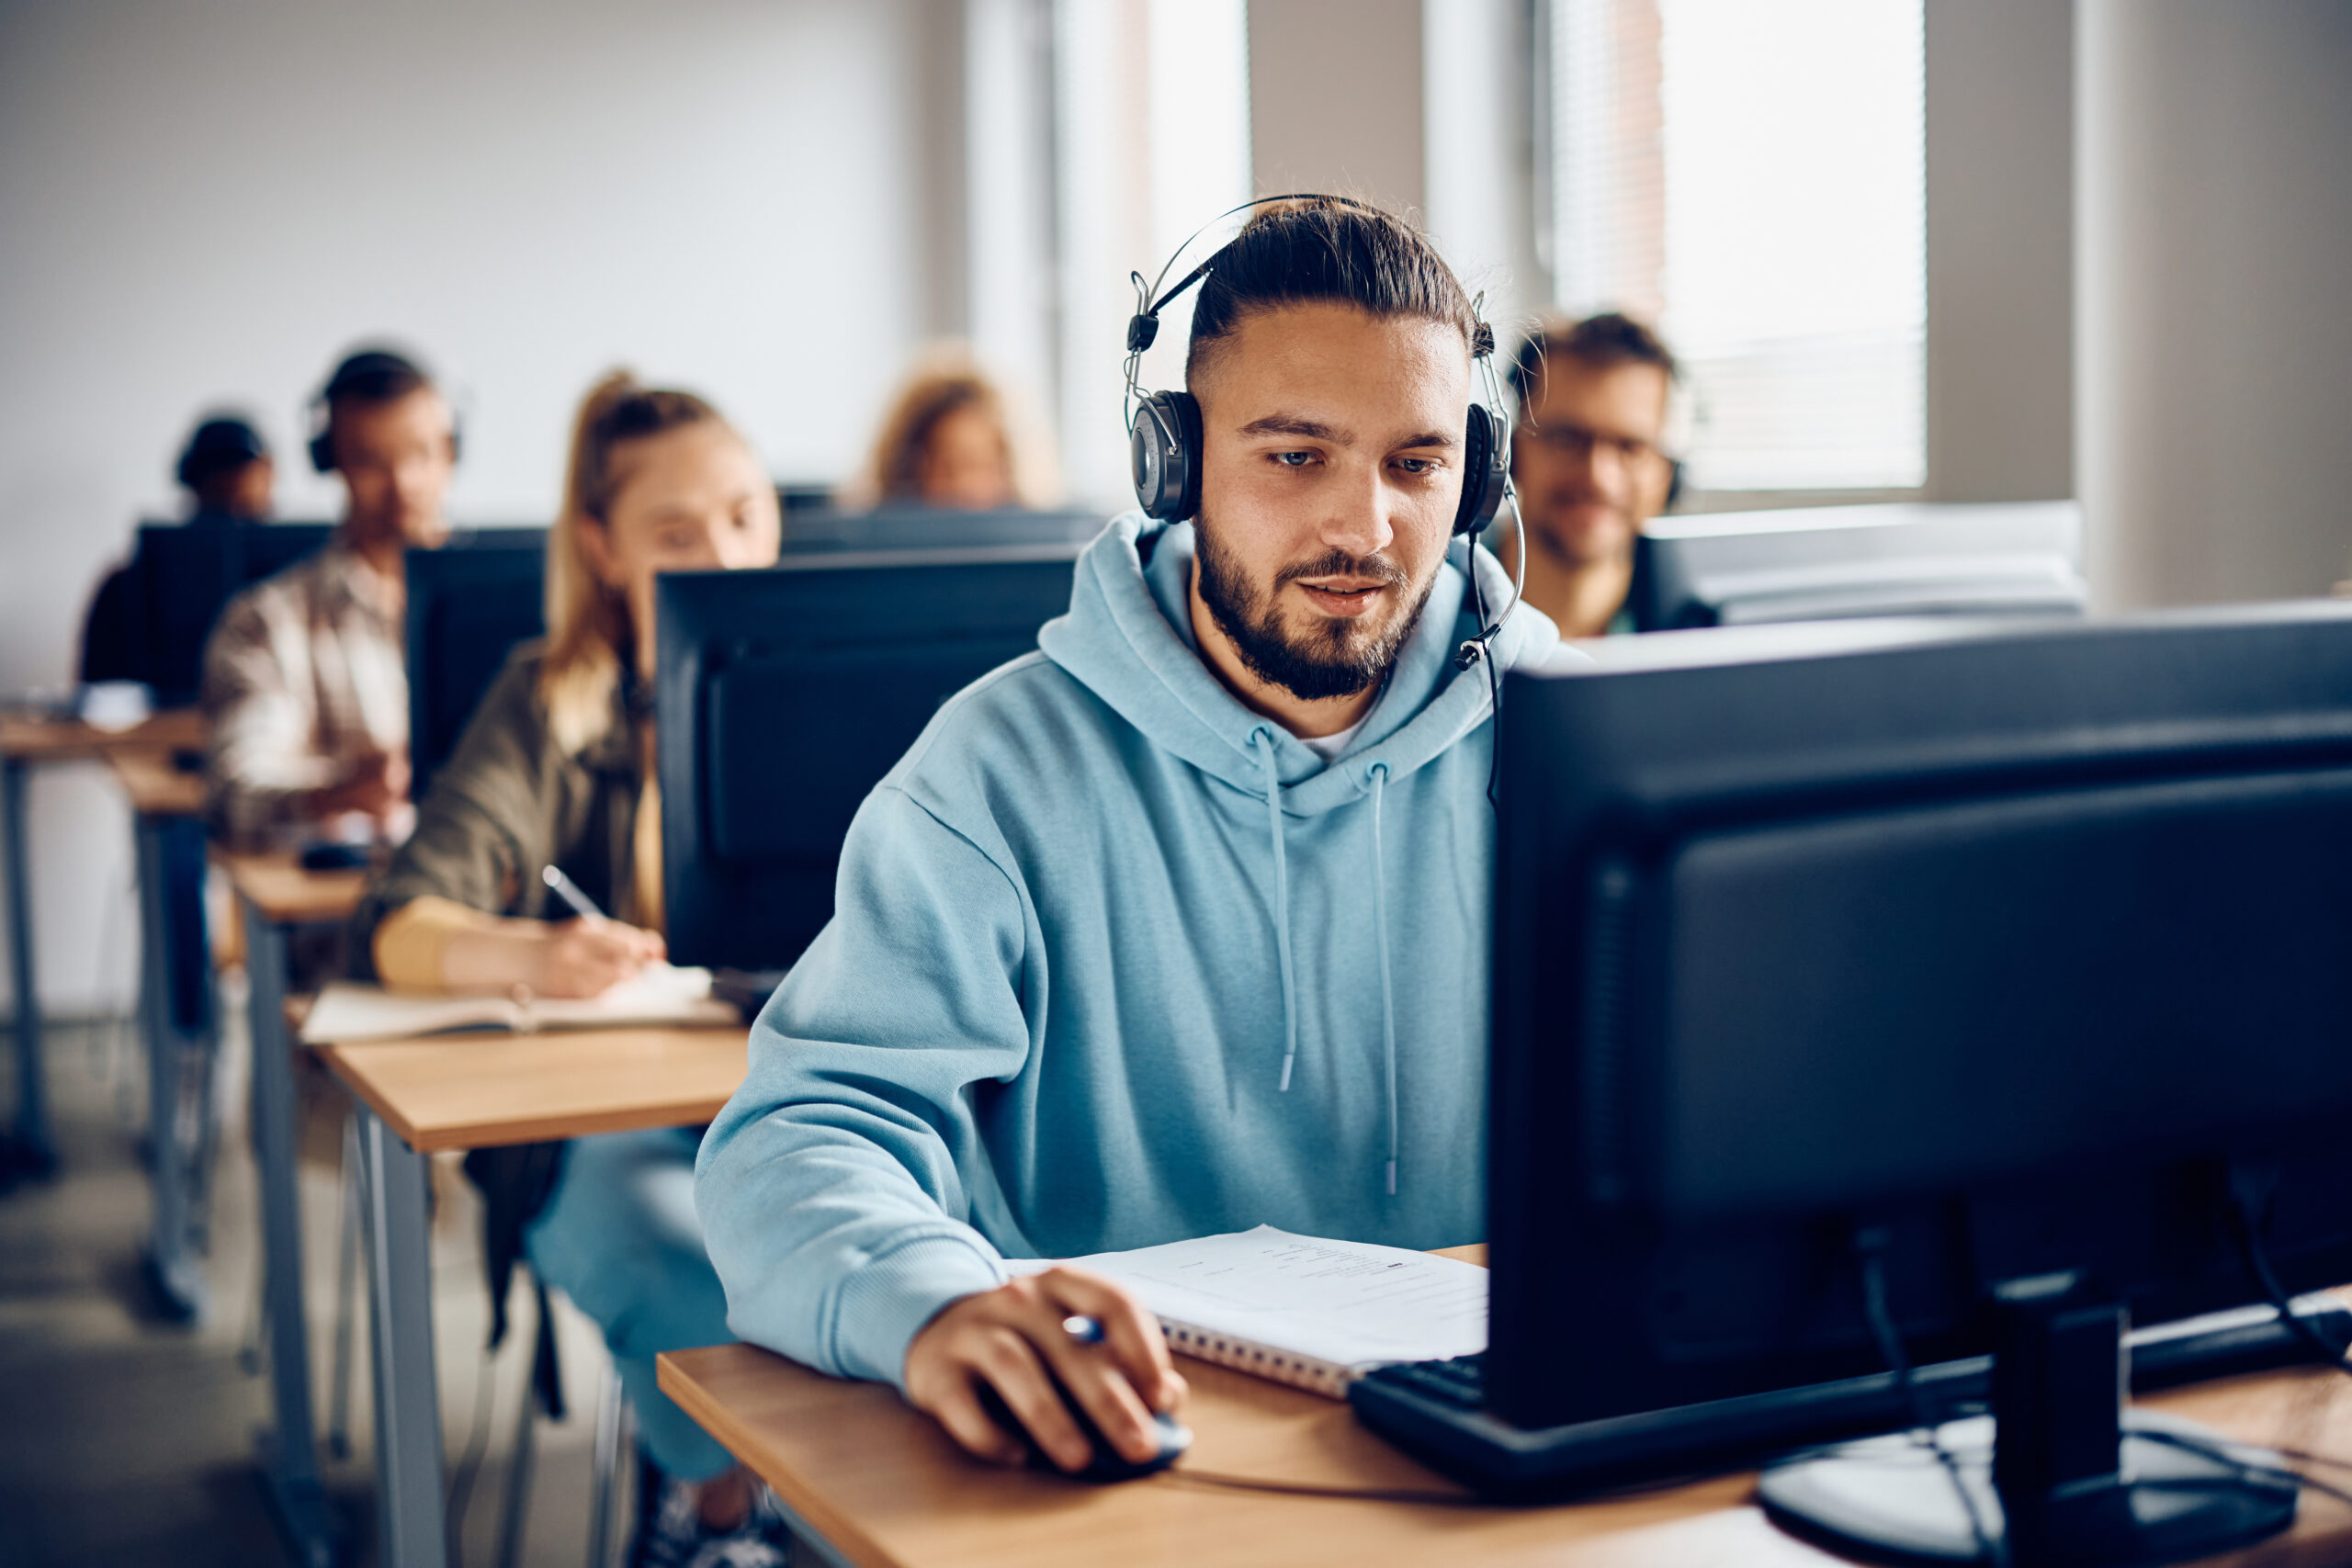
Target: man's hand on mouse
<point>1009,1336</point>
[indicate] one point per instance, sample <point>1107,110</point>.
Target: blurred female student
<point>955,439</point>
<point>557,769</point>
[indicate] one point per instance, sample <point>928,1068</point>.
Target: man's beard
<point>1338,658</point>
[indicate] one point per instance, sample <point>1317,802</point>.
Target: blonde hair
<point>947,378</point>
<point>588,634</point>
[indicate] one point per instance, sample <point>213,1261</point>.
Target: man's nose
<point>1358,521</point>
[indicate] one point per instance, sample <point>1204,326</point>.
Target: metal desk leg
<point>172,1271</point>
<point>25,1150</point>
<point>400,1317</point>
<point>290,1456</point>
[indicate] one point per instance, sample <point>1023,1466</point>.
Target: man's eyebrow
<point>1437,439</point>
<point>1298,424</point>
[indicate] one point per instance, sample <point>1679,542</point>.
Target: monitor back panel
<point>185,577</point>
<point>469,604</point>
<point>785,696</point>
<point>2007,943</point>
<point>896,528</point>
<point>1828,563</point>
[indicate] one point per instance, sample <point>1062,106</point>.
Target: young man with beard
<point>1179,925</point>
<point>305,677</point>
<point>1591,461</point>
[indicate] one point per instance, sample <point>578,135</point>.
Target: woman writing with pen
<point>536,865</point>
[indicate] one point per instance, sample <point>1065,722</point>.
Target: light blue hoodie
<point>1092,984</point>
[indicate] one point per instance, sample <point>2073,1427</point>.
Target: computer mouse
<point>1108,1463</point>
<point>331,855</point>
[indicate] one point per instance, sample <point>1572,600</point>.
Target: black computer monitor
<point>783,696</point>
<point>182,575</point>
<point>1838,562</point>
<point>932,528</point>
<point>469,604</point>
<point>1962,965</point>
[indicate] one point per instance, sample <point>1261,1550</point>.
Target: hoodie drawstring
<point>1261,740</point>
<point>1378,777</point>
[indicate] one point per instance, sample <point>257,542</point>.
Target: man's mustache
<point>1339,563</point>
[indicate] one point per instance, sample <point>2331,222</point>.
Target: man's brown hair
<point>1325,248</point>
<point>1601,342</point>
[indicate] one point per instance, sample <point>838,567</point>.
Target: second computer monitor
<point>785,695</point>
<point>469,604</point>
<point>1995,954</point>
<point>1840,562</point>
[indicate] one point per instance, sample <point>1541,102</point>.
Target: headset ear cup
<point>1485,472</point>
<point>1164,445</point>
<point>323,448</point>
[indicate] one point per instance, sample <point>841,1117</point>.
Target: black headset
<point>1164,428</point>
<point>363,365</point>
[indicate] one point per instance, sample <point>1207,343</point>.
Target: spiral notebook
<point>349,1014</point>
<point>1317,1314</point>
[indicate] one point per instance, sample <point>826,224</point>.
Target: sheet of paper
<point>1336,1301</point>
<point>348,1012</point>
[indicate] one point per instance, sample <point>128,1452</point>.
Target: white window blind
<point>1749,177</point>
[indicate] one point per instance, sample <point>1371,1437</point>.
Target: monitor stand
<point>2073,1477</point>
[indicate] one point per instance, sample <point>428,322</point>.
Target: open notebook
<point>1313,1314</point>
<point>348,1013</point>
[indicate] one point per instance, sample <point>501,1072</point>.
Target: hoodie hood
<point>1127,638</point>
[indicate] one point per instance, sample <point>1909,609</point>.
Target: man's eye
<point>1293,459</point>
<point>1418,465</point>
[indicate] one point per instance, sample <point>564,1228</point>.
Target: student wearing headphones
<point>230,478</point>
<point>556,769</point>
<point>304,679</point>
<point>1180,924</point>
<point>1590,463</point>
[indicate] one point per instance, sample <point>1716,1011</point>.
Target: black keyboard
<point>1461,1381</point>
<point>1436,1410</point>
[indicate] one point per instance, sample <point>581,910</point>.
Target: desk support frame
<point>27,1149</point>
<point>290,1459</point>
<point>413,1513</point>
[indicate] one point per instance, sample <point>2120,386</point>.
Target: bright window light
<point>1751,178</point>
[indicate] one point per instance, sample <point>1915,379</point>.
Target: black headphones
<point>1164,430</point>
<point>362,366</point>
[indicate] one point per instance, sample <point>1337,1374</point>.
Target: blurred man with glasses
<point>1590,463</point>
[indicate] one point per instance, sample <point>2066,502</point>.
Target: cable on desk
<point>1343,1493</point>
<point>1870,1250</point>
<point>2249,1192</point>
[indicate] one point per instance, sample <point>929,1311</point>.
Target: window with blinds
<point>1750,178</point>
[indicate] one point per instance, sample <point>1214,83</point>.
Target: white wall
<point>204,203</point>
<point>2214,250</point>
<point>2000,194</point>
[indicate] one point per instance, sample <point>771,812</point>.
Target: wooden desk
<point>26,740</point>
<point>476,1092</point>
<point>156,789</point>
<point>181,1031</point>
<point>473,1091</point>
<point>42,738</point>
<point>882,1486</point>
<point>278,896</point>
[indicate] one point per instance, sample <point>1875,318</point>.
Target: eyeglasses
<point>1580,441</point>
